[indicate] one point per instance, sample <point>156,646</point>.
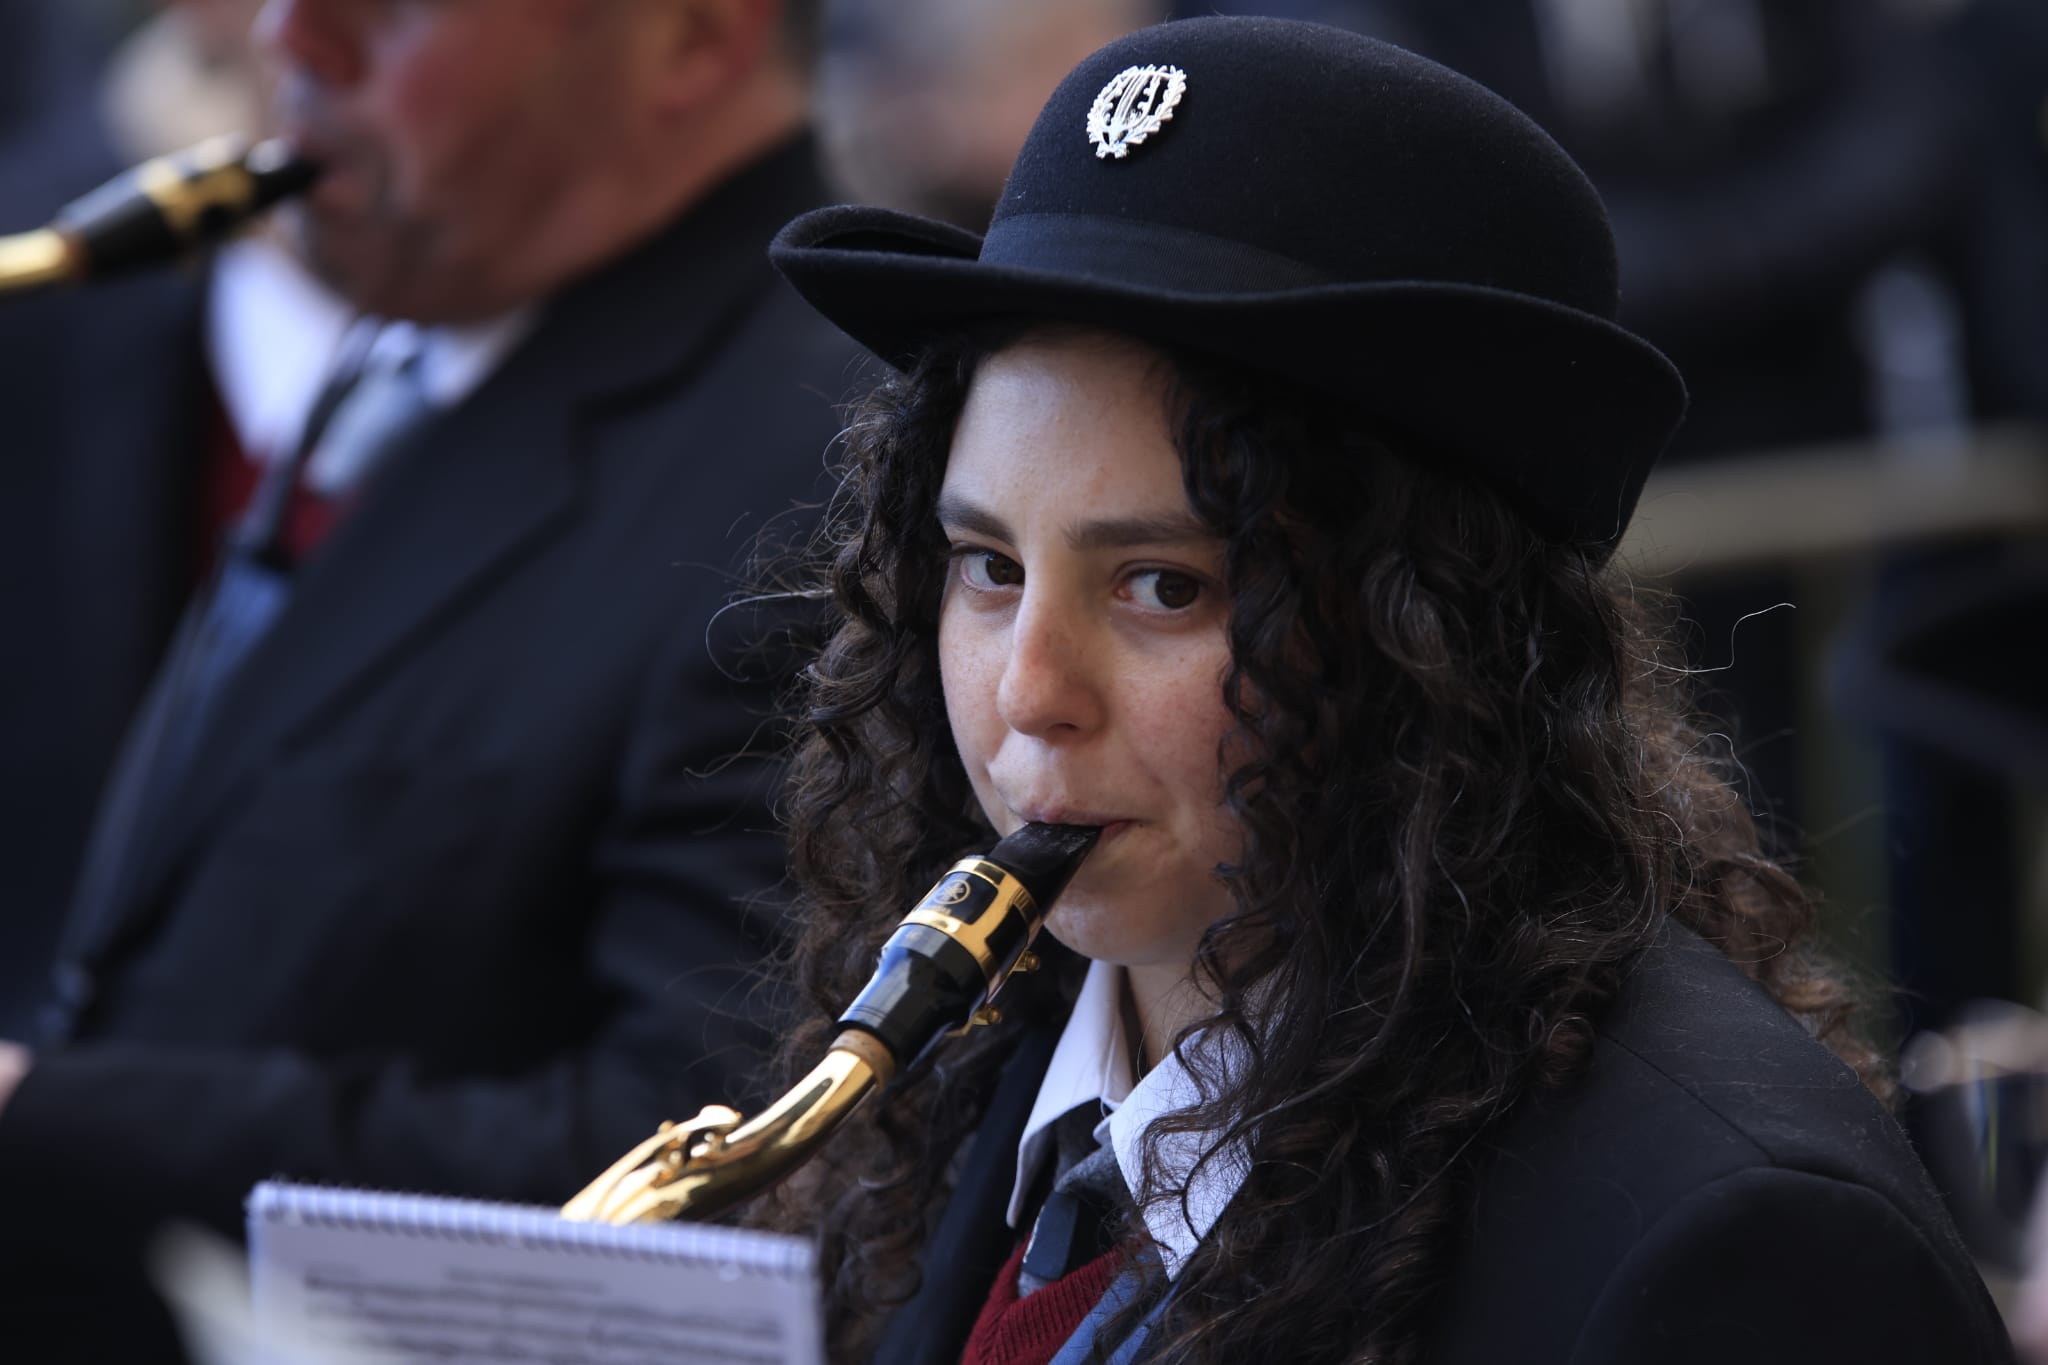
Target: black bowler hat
<point>1314,203</point>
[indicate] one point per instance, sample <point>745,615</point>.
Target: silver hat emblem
<point>1133,106</point>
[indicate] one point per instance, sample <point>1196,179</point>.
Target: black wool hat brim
<point>1556,408</point>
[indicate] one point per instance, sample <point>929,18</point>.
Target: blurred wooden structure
<point>1834,501</point>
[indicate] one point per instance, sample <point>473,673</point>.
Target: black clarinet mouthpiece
<point>1045,857</point>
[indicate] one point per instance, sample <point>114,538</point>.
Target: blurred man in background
<point>429,861</point>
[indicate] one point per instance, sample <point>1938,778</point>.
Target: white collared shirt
<point>275,335</point>
<point>1092,1064</point>
<point>408,373</point>
<point>454,361</point>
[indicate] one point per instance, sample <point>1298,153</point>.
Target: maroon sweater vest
<point>1030,1331</point>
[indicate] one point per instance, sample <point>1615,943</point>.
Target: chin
<point>1100,933</point>
<point>344,262</point>
<point>1081,929</point>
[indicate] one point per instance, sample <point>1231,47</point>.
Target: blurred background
<point>1832,214</point>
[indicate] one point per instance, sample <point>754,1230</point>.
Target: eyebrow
<point>1105,533</point>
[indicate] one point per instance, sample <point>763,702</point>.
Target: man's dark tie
<point>356,421</point>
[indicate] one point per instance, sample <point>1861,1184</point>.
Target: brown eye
<point>1166,590</point>
<point>987,570</point>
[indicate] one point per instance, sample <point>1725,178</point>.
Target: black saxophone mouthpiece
<point>155,212</point>
<point>1045,857</point>
<point>176,202</point>
<point>958,945</point>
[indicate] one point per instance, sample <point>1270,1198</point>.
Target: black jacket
<point>1717,1187</point>
<point>462,891</point>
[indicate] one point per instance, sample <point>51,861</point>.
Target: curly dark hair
<point>1477,792</point>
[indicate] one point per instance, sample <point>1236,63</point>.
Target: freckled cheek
<point>970,671</point>
<point>1176,721</point>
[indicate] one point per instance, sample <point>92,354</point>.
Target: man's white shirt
<point>275,335</point>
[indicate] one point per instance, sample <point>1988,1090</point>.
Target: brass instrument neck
<point>934,979</point>
<point>698,1169</point>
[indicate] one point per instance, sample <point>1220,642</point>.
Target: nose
<point>312,37</point>
<point>1050,688</point>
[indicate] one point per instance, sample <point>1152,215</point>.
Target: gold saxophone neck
<point>939,969</point>
<point>699,1169</point>
<point>155,211</point>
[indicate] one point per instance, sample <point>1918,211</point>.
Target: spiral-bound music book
<point>413,1278</point>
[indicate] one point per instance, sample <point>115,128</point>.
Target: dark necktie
<point>357,420</point>
<point>1079,1219</point>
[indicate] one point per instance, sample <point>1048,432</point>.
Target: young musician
<point>1249,491</point>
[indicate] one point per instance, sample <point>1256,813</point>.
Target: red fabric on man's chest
<point>232,477</point>
<point>1030,1331</point>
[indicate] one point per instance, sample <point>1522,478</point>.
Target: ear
<point>700,49</point>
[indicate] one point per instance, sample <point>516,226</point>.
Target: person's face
<point>1081,640</point>
<point>457,137</point>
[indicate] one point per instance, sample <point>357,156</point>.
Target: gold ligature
<point>937,974</point>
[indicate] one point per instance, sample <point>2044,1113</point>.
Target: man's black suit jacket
<point>1716,1188</point>
<point>462,891</point>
